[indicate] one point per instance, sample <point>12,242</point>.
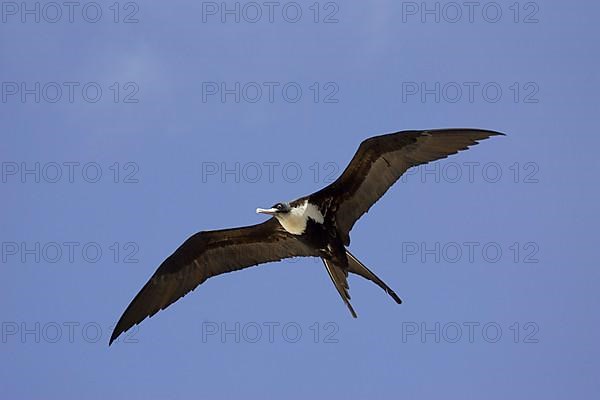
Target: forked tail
<point>358,268</point>
<point>339,277</point>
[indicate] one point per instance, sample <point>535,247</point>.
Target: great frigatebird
<point>317,225</point>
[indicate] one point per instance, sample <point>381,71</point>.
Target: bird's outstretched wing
<point>381,160</point>
<point>207,254</point>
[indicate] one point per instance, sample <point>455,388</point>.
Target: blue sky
<point>122,137</point>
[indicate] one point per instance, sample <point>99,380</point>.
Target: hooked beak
<point>268,211</point>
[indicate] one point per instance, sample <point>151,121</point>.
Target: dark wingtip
<point>487,132</point>
<point>114,336</point>
<point>484,134</point>
<point>491,133</point>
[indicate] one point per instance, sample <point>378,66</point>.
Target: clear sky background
<point>493,251</point>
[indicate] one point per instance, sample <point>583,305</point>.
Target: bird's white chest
<point>296,220</point>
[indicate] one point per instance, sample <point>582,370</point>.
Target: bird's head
<point>276,209</point>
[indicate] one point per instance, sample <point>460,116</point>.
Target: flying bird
<point>317,225</point>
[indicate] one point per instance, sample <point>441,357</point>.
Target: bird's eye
<point>279,206</point>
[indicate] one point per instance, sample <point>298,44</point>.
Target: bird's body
<point>317,225</point>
